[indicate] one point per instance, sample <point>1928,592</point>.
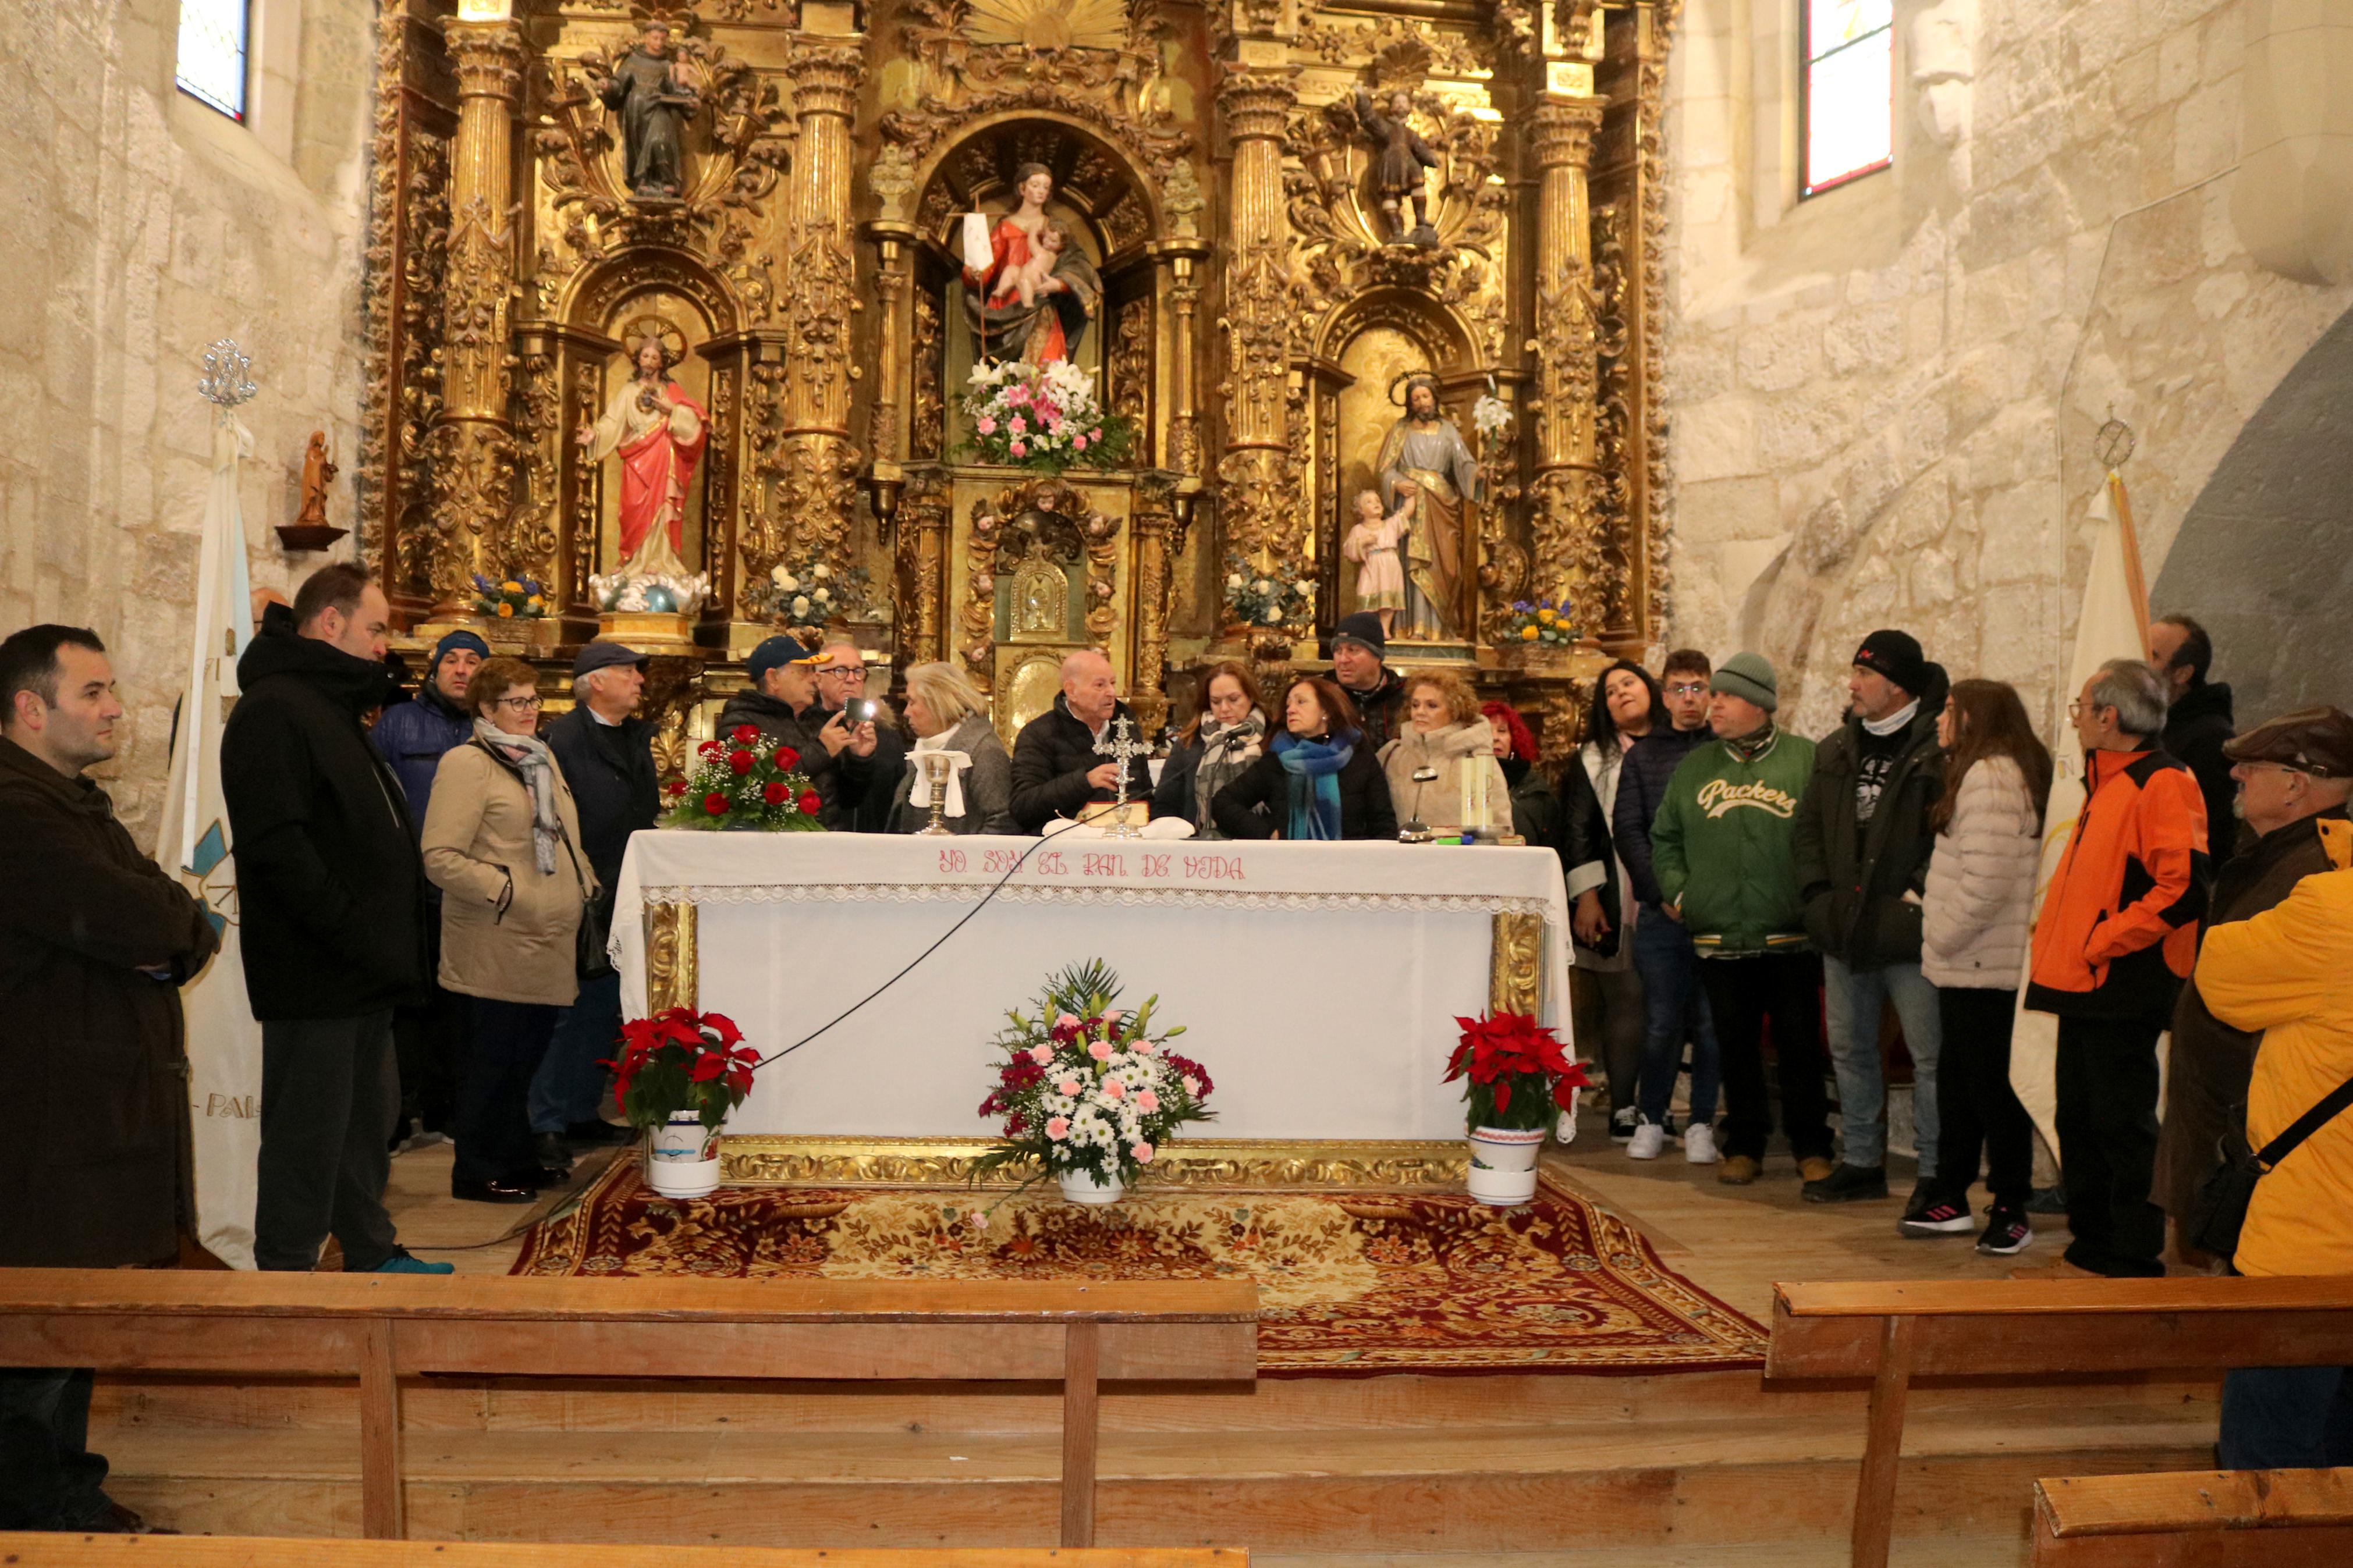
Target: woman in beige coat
<point>1442,767</point>
<point>500,842</point>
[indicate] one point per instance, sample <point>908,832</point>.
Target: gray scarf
<point>530,755</point>
<point>1227,752</point>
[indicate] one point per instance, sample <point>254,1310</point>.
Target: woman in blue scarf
<point>1318,780</point>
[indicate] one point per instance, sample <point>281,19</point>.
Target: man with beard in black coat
<point>331,904</point>
<point>2197,720</point>
<point>95,941</point>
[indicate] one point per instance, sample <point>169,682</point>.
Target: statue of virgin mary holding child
<point>1034,296</point>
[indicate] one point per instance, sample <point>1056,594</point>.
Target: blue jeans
<point>1675,1009</point>
<point>2287,1418</point>
<point>569,1086</point>
<point>1853,998</point>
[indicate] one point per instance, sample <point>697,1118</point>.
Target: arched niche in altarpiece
<point>589,353</point>
<point>1102,197</point>
<point>1357,372</point>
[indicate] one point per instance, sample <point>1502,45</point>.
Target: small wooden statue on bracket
<point>310,530</point>
<point>1402,169</point>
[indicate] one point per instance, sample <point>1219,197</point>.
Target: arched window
<point>211,66</point>
<point>1847,54</point>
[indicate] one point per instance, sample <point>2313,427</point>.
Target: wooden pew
<point>380,1328</point>
<point>2212,1519</point>
<point>1894,1332</point>
<point>30,1551</point>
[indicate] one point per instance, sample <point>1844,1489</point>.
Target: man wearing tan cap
<point>2294,774</point>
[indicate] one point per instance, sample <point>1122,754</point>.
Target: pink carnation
<point>985,426</point>
<point>1114,1090</point>
<point>1065,1021</point>
<point>1146,1101</point>
<point>1018,424</point>
<point>1018,450</point>
<point>1192,1084</point>
<point>1068,1086</point>
<point>1094,435</point>
<point>1041,1054</point>
<point>1143,1152</point>
<point>1099,1049</point>
<point>1058,1127</point>
<point>1079,443</point>
<point>1111,1019</point>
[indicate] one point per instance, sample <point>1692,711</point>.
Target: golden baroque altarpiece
<point>1260,306</point>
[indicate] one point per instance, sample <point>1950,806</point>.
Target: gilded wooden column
<point>921,559</point>
<point>1258,473</point>
<point>816,488</point>
<point>1154,525</point>
<point>1563,521</point>
<point>472,446</point>
<point>1180,286</point>
<point>886,437</point>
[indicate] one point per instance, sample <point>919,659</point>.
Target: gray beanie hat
<point>1748,675</point>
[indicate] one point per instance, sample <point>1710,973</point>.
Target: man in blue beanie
<point>412,737</point>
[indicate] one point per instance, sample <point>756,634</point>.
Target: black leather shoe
<point>552,1150</point>
<point>597,1134</point>
<point>493,1193</point>
<point>539,1176</point>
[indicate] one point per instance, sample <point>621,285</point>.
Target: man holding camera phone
<point>872,757</point>
<point>814,703</point>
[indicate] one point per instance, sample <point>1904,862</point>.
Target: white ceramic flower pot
<point>682,1158</point>
<point>1503,1165</point>
<point>1080,1188</point>
<point>1564,1125</point>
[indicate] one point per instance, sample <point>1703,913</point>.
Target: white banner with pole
<point>224,1041</point>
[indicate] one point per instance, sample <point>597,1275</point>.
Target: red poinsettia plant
<point>745,780</point>
<point>680,1059</point>
<point>1520,1074</point>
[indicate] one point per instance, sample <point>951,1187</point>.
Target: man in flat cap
<point>2293,774</point>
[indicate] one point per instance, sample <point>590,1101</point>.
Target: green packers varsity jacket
<point>1724,844</point>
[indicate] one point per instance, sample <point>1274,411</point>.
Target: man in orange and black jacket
<point>2115,938</point>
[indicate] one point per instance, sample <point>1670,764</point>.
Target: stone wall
<point>136,225</point>
<point>1885,398</point>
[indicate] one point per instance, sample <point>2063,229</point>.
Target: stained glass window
<point>212,53</point>
<point>1849,91</point>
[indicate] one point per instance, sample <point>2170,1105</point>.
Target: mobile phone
<point>865,710</point>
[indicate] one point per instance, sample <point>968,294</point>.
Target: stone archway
<point>2264,555</point>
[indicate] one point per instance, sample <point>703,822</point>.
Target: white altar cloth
<point>1318,983</point>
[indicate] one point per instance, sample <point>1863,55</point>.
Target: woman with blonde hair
<point>501,841</point>
<point>1215,747</point>
<point>949,716</point>
<point>1442,767</point>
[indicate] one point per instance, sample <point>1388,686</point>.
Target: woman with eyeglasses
<point>501,842</point>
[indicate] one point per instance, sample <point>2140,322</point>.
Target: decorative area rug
<point>1351,1285</point>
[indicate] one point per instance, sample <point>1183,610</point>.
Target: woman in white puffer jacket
<point>1978,908</point>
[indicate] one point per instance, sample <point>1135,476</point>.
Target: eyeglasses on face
<point>843,671</point>
<point>517,704</point>
<point>2076,709</point>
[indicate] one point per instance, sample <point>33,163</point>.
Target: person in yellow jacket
<point>2284,973</point>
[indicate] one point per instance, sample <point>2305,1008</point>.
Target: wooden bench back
<point>1993,1328</point>
<point>2215,1519</point>
<point>52,1550</point>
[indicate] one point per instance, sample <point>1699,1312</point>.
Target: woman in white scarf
<point>1217,748</point>
<point>501,842</point>
<point>949,718</point>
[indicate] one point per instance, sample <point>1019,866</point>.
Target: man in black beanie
<point>1863,843</point>
<point>1359,652</point>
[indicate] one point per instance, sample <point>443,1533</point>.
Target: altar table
<point>1318,983</point>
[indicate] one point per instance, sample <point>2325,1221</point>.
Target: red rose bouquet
<point>1520,1076</point>
<point>682,1060</point>
<point>745,780</point>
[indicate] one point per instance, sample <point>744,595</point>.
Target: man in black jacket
<point>2197,720</point>
<point>1359,652</point>
<point>871,777</point>
<point>1862,851</point>
<point>95,941</point>
<point>782,702</point>
<point>1057,771</point>
<point>606,755</point>
<point>330,900</point>
<point>1675,1006</point>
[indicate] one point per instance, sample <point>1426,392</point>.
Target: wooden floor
<point>1734,1242</point>
<point>1671,1472</point>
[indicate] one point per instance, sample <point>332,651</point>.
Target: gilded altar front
<point>789,215</point>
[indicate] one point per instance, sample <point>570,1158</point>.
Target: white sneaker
<point>1699,1144</point>
<point>1650,1141</point>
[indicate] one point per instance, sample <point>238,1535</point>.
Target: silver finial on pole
<point>225,385</point>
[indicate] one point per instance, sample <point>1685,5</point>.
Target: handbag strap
<point>2305,1126</point>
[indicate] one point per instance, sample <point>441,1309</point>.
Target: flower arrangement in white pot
<point>1519,1079</point>
<point>1089,1095</point>
<point>678,1074</point>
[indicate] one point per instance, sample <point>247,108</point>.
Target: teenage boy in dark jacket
<point>1674,1002</point>
<point>1864,845</point>
<point>331,898</point>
